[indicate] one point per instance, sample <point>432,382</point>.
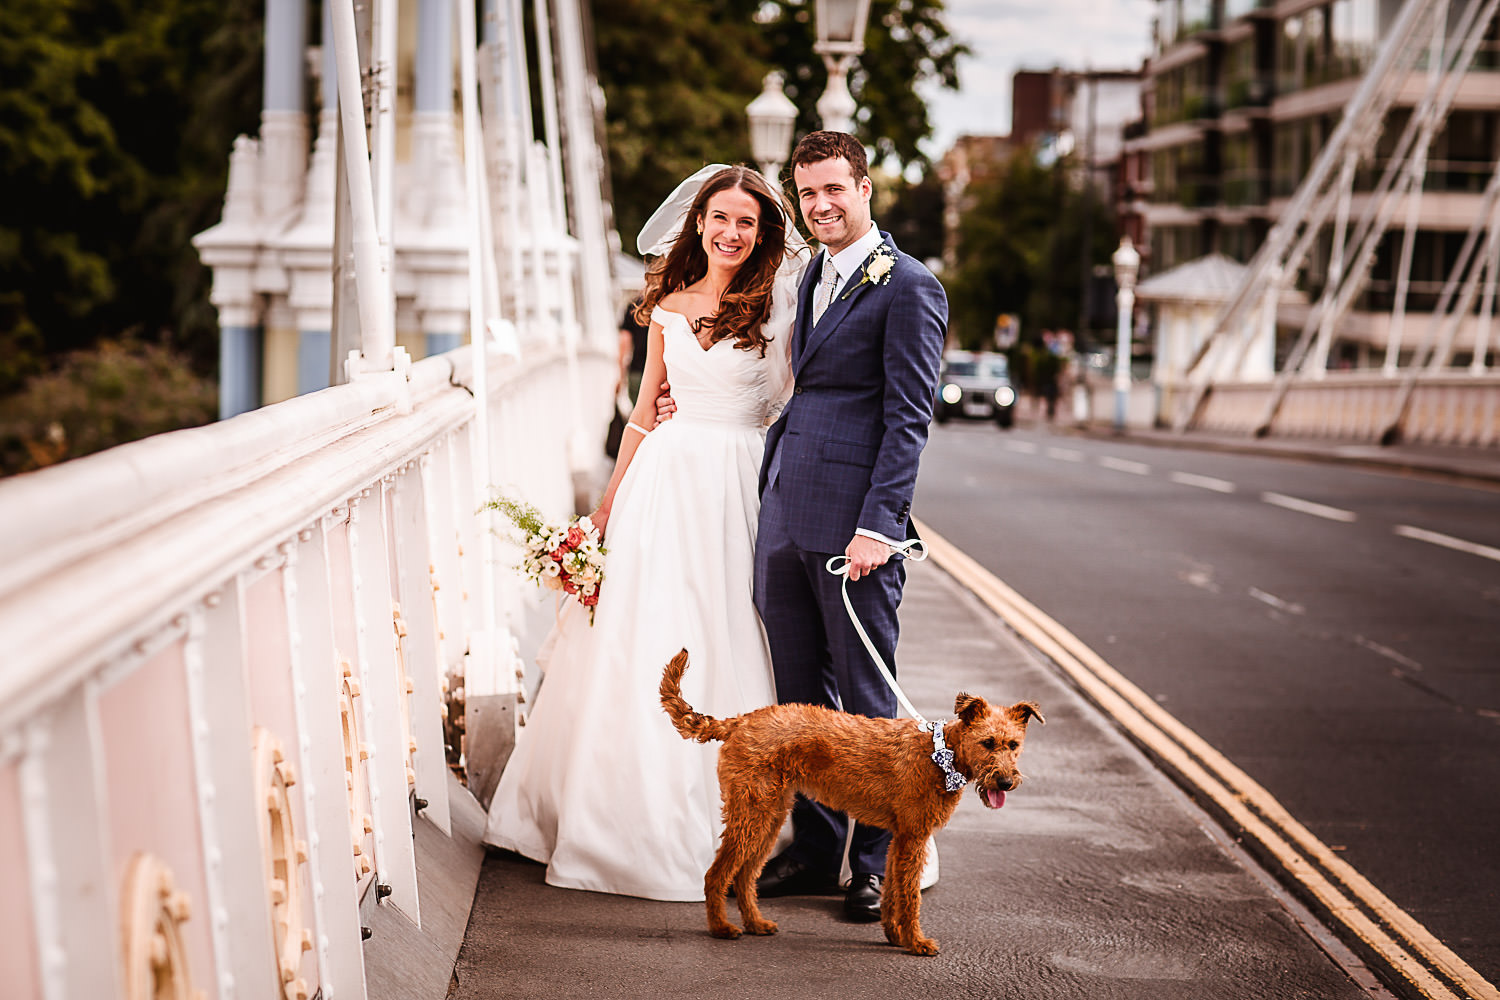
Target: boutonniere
<point>877,271</point>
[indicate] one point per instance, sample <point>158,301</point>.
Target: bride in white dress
<point>600,787</point>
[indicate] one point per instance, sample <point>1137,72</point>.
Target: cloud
<point>1010,35</point>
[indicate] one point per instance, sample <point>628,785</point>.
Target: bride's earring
<point>700,229</point>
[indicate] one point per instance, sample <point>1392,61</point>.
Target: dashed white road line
<point>1125,465</point>
<point>1309,507</point>
<point>1024,447</point>
<point>1203,482</point>
<point>1065,454</point>
<point>1290,607</point>
<point>1448,542</point>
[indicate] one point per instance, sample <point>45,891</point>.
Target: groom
<point>840,467</point>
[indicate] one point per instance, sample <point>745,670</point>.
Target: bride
<point>600,786</point>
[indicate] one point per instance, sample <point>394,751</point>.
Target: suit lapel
<point>843,301</point>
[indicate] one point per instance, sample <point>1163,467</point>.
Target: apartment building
<point>1238,99</point>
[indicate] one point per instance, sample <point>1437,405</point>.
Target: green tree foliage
<point>677,75</point>
<point>1020,244</point>
<point>98,397</point>
<point>116,117</point>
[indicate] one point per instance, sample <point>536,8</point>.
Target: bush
<point>114,392</point>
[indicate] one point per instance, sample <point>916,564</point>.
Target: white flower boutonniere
<point>878,270</point>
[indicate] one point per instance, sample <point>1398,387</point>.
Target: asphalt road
<point>1333,631</point>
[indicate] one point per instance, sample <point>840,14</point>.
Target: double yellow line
<point>1387,930</point>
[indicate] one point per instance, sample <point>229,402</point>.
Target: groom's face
<point>834,205</point>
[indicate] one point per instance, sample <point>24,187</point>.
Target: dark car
<point>975,386</point>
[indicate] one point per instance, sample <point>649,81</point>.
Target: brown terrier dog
<point>884,772</point>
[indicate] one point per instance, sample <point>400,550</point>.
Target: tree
<point>115,120</point>
<point>1020,246</point>
<point>677,75</point>
<point>98,397</point>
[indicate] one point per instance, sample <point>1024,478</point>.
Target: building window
<point>1354,35</point>
<point>1239,74</point>
<point>1197,15</point>
<point>1239,8</point>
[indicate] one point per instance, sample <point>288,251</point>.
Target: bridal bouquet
<point>568,559</point>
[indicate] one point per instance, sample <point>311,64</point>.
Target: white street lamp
<point>1127,263</point>
<point>773,117</point>
<point>841,38</point>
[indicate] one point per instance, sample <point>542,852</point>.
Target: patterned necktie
<point>826,288</point>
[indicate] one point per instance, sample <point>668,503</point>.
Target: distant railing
<point>1455,409</point>
<point>230,656</point>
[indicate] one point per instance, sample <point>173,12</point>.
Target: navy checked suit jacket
<point>846,447</point>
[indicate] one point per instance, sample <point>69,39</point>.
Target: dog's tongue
<point>994,797</point>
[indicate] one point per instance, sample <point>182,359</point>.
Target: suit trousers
<point>818,659</point>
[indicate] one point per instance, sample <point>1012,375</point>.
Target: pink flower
<point>574,538</point>
<point>589,600</point>
<point>558,553</point>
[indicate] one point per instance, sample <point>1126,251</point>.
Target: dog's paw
<point>923,946</point>
<point>761,927</point>
<point>726,931</point>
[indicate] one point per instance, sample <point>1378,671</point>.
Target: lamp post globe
<point>773,117</point>
<point>1127,262</point>
<point>841,38</point>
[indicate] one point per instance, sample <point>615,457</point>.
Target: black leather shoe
<point>785,876</point>
<point>862,902</point>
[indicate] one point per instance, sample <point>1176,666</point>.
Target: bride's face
<point>731,227</point>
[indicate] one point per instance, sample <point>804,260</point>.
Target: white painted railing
<point>229,656</point>
<point>1456,408</point>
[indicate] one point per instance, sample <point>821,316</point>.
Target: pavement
<point>1099,879</point>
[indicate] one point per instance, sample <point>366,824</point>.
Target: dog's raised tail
<point>692,725</point>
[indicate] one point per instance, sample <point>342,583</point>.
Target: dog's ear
<point>970,708</point>
<point>1021,711</point>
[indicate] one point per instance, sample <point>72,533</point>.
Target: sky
<point>1008,35</point>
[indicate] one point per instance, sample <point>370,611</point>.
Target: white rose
<point>879,267</point>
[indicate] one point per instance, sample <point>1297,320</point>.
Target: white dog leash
<point>914,550</point>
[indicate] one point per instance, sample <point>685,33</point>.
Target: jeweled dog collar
<point>943,758</point>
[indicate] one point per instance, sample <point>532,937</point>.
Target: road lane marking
<point>1203,482</point>
<point>1309,507</point>
<point>1387,652</point>
<point>1024,447</point>
<point>1303,856</point>
<point>1448,542</point>
<point>1065,454</point>
<point>1125,465</point>
<point>1290,607</point>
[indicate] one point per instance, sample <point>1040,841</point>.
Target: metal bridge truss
<point>1419,37</point>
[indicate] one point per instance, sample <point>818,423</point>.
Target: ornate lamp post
<point>1127,261</point>
<point>773,117</point>
<point>841,38</point>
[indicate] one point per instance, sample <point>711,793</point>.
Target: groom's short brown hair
<point>815,147</point>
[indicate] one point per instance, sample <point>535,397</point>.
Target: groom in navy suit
<point>840,467</point>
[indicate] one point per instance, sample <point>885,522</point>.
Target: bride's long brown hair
<point>746,303</point>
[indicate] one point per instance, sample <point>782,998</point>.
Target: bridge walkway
<point>1099,878</point>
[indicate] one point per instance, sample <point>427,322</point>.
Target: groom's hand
<point>866,554</point>
<point>665,404</point>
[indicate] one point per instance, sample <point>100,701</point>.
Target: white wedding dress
<point>600,787</point>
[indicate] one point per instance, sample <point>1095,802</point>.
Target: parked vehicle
<point>975,386</point>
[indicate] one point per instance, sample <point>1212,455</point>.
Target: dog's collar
<point>943,758</point>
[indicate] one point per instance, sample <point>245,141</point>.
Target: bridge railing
<point>231,653</point>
